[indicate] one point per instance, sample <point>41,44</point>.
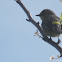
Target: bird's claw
<point>50,38</point>
<point>59,41</point>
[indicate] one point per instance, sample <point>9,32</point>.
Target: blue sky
<point>17,40</point>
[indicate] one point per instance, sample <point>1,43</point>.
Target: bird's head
<point>45,13</point>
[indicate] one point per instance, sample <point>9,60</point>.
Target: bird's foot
<point>50,38</point>
<point>59,41</point>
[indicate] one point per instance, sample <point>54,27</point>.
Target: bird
<point>51,23</point>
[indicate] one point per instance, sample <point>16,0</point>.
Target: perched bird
<point>51,24</point>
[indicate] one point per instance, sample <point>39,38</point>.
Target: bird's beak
<point>37,15</point>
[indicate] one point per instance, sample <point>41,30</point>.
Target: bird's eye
<point>43,13</point>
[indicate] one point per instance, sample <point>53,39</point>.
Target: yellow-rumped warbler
<point>51,24</point>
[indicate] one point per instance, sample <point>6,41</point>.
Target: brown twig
<point>45,38</point>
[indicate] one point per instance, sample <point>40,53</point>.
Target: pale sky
<point>17,40</point>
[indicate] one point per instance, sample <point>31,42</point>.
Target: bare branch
<point>45,38</point>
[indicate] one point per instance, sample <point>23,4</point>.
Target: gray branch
<point>45,38</point>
